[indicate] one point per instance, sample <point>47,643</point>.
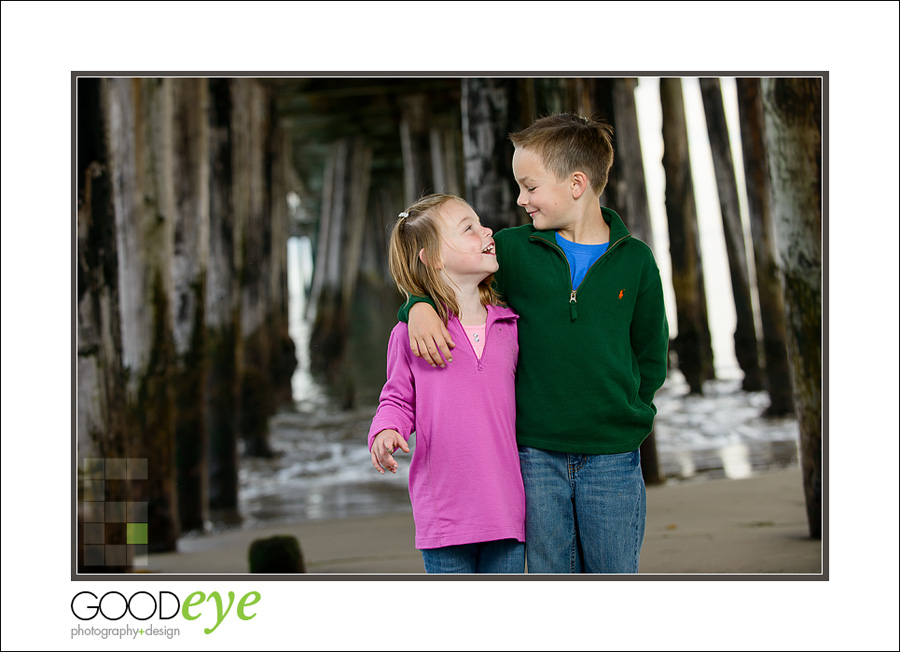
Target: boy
<point>593,342</point>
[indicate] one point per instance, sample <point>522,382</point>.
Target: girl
<point>465,485</point>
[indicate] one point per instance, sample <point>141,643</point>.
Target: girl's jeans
<point>584,513</point>
<point>503,556</point>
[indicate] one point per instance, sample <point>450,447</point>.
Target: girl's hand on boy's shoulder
<point>383,447</point>
<point>428,335</point>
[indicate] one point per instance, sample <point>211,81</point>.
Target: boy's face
<point>547,200</point>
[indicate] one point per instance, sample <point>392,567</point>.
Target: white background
<point>857,43</point>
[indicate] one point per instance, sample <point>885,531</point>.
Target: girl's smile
<point>467,248</point>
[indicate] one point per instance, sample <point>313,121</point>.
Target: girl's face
<point>467,248</point>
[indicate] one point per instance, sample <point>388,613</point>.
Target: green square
<point>136,533</point>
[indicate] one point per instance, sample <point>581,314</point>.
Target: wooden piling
<point>488,114</point>
<point>251,202</point>
<point>691,343</point>
<point>190,173</point>
<point>357,213</point>
<point>283,353</point>
<point>101,415</point>
<point>759,206</point>
<point>635,210</point>
<point>548,95</point>
<point>346,207</point>
<point>629,162</point>
<point>603,108</point>
<point>793,114</point>
<point>746,346</point>
<point>329,330</point>
<point>222,314</point>
<point>612,100</point>
<point>140,117</point>
<point>446,144</point>
<point>415,143</point>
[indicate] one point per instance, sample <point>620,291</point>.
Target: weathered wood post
<point>631,190</point>
<point>339,252</point>
<point>746,346</point>
<point>250,115</point>
<point>446,145</point>
<point>793,116</point>
<point>759,206</point>
<point>223,308</point>
<point>415,144</point>
<point>543,96</point>
<point>329,331</point>
<point>488,114</point>
<point>357,213</point>
<point>386,200</point>
<point>283,360</point>
<point>140,126</point>
<point>631,185</point>
<point>190,261</point>
<point>612,100</point>
<point>692,342</point>
<point>101,413</point>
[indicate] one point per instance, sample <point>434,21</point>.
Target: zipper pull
<point>573,305</point>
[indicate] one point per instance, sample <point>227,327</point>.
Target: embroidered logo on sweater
<point>621,293</point>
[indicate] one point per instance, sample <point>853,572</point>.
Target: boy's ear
<point>424,260</point>
<point>579,183</point>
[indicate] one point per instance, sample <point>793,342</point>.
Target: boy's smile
<point>567,206</point>
<point>546,199</point>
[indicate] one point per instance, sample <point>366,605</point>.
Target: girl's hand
<point>427,335</point>
<point>383,447</point>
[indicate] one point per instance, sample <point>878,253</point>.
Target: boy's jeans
<point>502,556</point>
<point>584,513</point>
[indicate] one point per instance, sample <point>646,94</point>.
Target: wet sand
<point>749,526</point>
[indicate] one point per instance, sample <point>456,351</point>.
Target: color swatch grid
<point>115,531</point>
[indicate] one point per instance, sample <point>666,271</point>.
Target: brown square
<point>116,556</point>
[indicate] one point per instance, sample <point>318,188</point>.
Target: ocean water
<point>323,470</point>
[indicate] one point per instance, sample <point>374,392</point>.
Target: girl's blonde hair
<point>419,228</point>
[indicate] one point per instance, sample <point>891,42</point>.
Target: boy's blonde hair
<point>419,228</point>
<point>566,142</point>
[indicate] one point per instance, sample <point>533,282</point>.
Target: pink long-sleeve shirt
<point>465,484</point>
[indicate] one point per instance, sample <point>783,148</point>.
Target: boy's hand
<point>427,334</point>
<point>383,447</point>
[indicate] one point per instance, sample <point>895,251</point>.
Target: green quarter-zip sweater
<point>591,358</point>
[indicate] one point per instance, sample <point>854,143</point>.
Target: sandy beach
<point>747,527</point>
